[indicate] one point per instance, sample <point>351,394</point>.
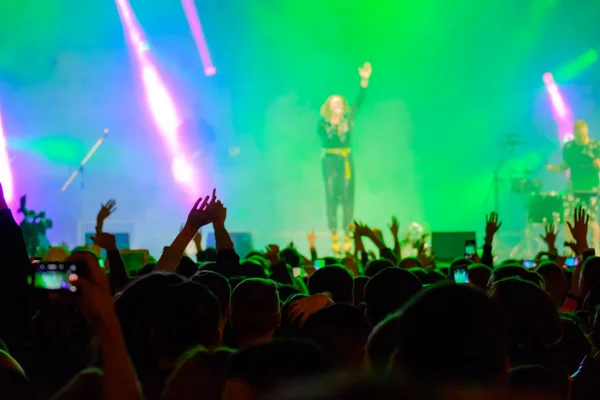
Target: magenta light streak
<point>191,13</point>
<point>160,102</point>
<point>5,172</point>
<point>562,112</point>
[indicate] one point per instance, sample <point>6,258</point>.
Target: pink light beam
<point>160,102</point>
<point>5,172</point>
<point>191,14</point>
<point>561,110</point>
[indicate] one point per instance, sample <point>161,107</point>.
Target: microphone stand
<point>509,145</point>
<point>79,171</point>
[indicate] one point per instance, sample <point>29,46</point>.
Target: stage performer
<point>582,157</point>
<point>335,131</point>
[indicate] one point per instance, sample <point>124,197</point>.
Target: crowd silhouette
<point>273,326</point>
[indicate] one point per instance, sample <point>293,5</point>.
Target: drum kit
<point>542,207</point>
<point>545,208</point>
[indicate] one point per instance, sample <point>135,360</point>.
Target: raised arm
<point>200,215</point>
<point>228,261</point>
<point>365,74</point>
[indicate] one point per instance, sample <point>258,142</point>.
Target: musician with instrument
<point>581,157</point>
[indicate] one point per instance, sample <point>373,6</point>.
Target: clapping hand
<point>219,213</point>
<point>203,212</point>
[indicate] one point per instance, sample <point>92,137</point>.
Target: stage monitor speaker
<point>242,242</point>
<point>450,245</point>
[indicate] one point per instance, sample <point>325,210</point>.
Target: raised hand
<point>579,228</point>
<point>202,212</point>
<point>361,229</point>
<point>365,71</point>
<point>394,227</point>
<point>105,211</point>
<point>105,241</point>
<point>219,213</point>
<point>312,238</point>
<point>272,254</point>
<point>549,236</point>
<point>492,225</point>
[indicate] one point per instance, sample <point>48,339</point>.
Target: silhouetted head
<point>256,371</point>
<point>590,275</point>
<point>200,373</point>
<point>342,332</point>
<point>555,282</point>
<point>472,346</point>
<point>219,286</point>
<point>533,321</point>
<point>375,266</point>
<point>255,310</point>
<point>389,290</point>
<point>335,280</point>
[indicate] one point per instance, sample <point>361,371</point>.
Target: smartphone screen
<point>529,264</point>
<point>55,276</point>
<point>571,263</point>
<point>319,264</point>
<point>470,248</point>
<point>461,275</point>
<point>297,272</point>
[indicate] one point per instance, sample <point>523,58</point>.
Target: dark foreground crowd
<point>273,326</point>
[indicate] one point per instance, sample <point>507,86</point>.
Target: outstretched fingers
<point>197,204</point>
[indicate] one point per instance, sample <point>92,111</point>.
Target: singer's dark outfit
<point>338,168</point>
